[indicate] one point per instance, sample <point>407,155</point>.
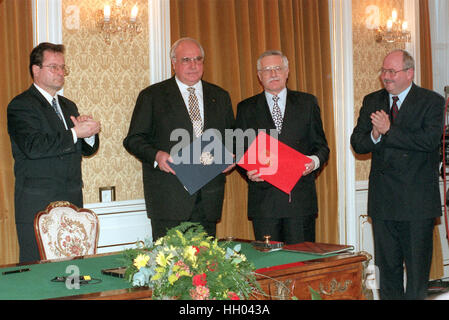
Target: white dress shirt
<point>401,97</point>
<point>198,92</point>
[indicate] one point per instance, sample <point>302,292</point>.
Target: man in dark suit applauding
<point>401,125</point>
<point>181,102</point>
<point>48,140</point>
<point>296,117</point>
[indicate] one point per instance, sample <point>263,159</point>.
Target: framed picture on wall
<point>107,194</point>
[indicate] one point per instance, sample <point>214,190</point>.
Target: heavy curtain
<point>234,33</point>
<point>16,43</point>
<point>437,269</point>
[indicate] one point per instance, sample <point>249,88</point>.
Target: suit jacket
<point>302,130</point>
<point>47,163</point>
<point>403,181</point>
<point>159,110</point>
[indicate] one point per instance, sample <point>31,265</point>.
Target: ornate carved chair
<point>63,230</point>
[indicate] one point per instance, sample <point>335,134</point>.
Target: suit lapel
<point>65,112</point>
<point>176,106</point>
<point>386,102</point>
<point>210,105</point>
<point>40,97</point>
<point>289,115</point>
<point>263,114</point>
<point>406,106</point>
<point>48,109</point>
<point>209,101</point>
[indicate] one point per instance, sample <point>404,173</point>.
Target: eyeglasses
<point>272,68</point>
<point>196,60</point>
<point>54,68</point>
<point>390,72</point>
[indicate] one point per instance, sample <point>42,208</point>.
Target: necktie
<point>394,109</point>
<point>277,115</point>
<point>194,112</point>
<point>55,106</point>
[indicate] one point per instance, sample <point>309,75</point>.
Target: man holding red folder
<point>295,117</point>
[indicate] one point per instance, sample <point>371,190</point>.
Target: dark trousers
<point>403,242</point>
<point>27,242</point>
<point>288,230</point>
<point>199,214</point>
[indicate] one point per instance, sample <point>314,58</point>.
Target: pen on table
<point>16,271</point>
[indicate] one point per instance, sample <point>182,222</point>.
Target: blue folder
<point>201,161</point>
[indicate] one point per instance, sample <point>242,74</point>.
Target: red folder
<point>278,164</point>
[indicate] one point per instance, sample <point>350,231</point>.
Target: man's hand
<point>254,175</point>
<point>376,133</point>
<point>381,123</point>
<point>309,168</point>
<point>161,158</point>
<point>83,118</point>
<point>85,126</point>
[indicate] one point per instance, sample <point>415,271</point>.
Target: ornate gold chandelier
<point>394,31</point>
<point>118,19</point>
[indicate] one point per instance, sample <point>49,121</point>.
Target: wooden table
<point>334,278</point>
<point>279,274</point>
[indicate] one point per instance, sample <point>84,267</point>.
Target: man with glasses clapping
<point>48,139</point>
<point>401,126</point>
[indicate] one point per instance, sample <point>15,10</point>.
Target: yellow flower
<point>141,261</point>
<point>180,234</point>
<point>217,248</point>
<point>157,276</point>
<point>163,260</point>
<point>172,278</point>
<point>168,249</point>
<point>183,273</point>
<point>205,244</point>
<point>181,237</point>
<point>190,253</point>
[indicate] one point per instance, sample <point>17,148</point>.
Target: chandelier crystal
<point>394,31</point>
<point>118,19</point>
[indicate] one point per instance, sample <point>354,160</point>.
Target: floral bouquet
<point>187,264</point>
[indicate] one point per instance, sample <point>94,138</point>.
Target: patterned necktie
<point>194,112</point>
<point>55,106</point>
<point>277,115</point>
<point>394,109</point>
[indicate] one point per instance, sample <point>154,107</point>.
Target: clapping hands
<point>85,126</point>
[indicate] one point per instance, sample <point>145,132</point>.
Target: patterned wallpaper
<point>368,57</point>
<point>104,82</point>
